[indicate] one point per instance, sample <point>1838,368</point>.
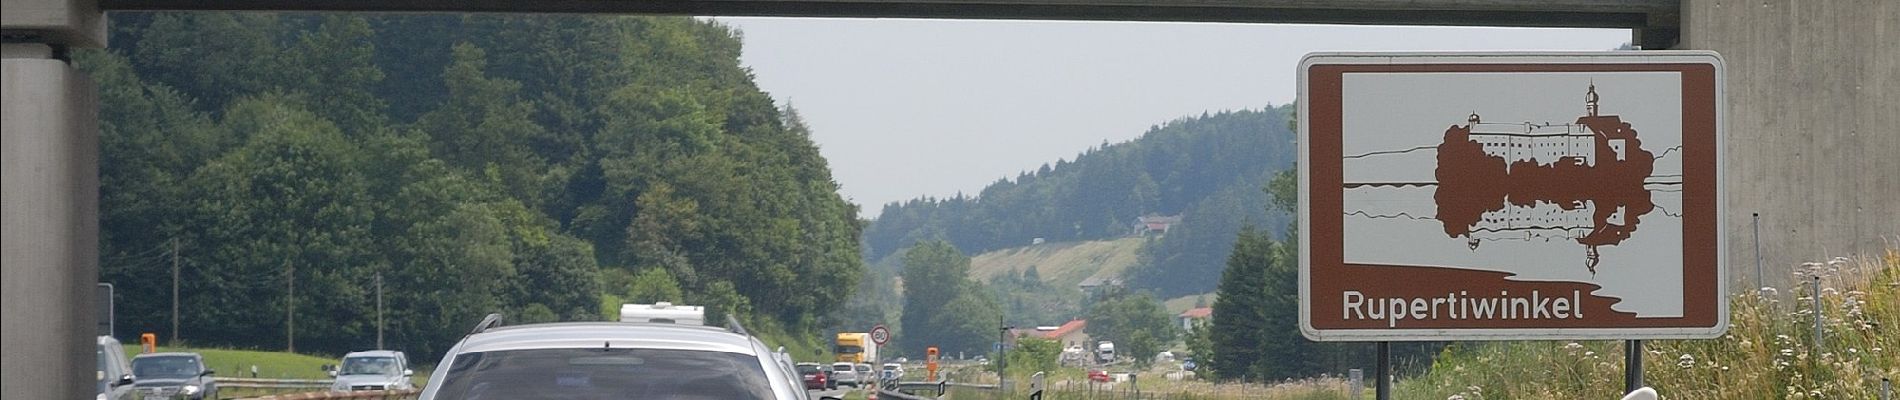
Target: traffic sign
<point>1511,196</point>
<point>880,335</point>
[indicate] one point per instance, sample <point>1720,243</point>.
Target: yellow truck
<point>855,347</point>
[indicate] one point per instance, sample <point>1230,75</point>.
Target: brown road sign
<point>1511,196</point>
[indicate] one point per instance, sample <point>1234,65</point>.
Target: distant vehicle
<point>815,377</point>
<point>892,371</point>
<point>845,373</point>
<point>174,375</point>
<point>115,372</point>
<point>1105,351</point>
<point>373,370</point>
<point>855,347</point>
<point>866,374</point>
<point>1188,364</point>
<point>663,312</point>
<point>1098,375</point>
<point>611,360</point>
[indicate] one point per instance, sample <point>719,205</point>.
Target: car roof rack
<point>732,325</point>
<point>489,322</point>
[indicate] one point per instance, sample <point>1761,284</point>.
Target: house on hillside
<point>1094,284</point>
<point>1187,318</point>
<point>1068,335</point>
<point>1155,224</point>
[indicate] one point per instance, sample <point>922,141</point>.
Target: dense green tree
<point>477,163</point>
<point>1239,315</point>
<point>942,307</point>
<point>1136,322</point>
<point>654,285</point>
<point>1032,355</point>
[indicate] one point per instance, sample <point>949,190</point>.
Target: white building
<point>1543,144</point>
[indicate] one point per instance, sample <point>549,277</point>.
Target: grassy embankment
<point>270,364</point>
<point>1768,353</point>
<point>1061,264</point>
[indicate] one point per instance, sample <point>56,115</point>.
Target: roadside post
<point>1497,196</point>
<point>1035,386</point>
<point>930,363</point>
<point>1355,382</point>
<point>879,335</point>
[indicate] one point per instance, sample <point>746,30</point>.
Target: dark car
<point>174,376</point>
<point>815,377</point>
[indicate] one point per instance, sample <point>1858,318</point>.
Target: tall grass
<point>1769,351</point>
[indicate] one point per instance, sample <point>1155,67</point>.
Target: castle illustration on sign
<point>1581,181</point>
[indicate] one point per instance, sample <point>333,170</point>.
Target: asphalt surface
<point>839,393</point>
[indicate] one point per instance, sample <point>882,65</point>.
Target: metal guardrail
<point>261,383</point>
<point>892,394</point>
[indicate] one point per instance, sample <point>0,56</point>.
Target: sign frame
<point>1705,64</point>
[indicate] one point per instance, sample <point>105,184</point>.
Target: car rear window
<point>604,374</point>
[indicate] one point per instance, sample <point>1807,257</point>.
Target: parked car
<point>603,360</point>
<point>846,374</point>
<point>373,370</point>
<point>815,377</point>
<point>115,372</point>
<point>174,375</point>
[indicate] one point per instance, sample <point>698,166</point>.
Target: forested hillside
<point>1210,170</point>
<point>532,165</point>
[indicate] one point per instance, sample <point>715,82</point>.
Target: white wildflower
<point>1686,361</point>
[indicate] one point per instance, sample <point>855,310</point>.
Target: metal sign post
<point>1382,390</point>
<point>1632,365</point>
<point>879,335</point>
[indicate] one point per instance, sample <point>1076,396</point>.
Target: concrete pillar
<point>1813,123</point>
<point>49,202</point>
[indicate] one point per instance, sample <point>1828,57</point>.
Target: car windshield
<point>165,367</point>
<point>890,367</point>
<point>807,368</point>
<point>849,349</point>
<point>604,374</point>
<point>841,367</point>
<point>369,366</point>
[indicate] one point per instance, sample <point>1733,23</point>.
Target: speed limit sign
<point>880,335</point>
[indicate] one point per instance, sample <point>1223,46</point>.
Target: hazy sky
<point>905,108</point>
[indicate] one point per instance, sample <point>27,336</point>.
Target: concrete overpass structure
<point>1813,118</point>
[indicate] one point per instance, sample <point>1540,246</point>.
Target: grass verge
<point>1769,352</point>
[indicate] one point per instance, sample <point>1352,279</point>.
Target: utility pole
<point>379,310</point>
<point>175,247</point>
<point>290,307</point>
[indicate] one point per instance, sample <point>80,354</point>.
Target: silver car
<point>610,360</point>
<point>114,380</point>
<point>373,370</point>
